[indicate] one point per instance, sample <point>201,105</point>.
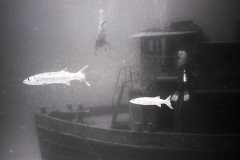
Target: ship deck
<point>62,137</point>
<point>104,121</point>
<point>216,119</point>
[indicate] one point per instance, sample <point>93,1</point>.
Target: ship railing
<point>141,76</point>
<point>126,76</point>
<point>137,77</point>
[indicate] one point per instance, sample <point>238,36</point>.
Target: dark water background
<point>41,36</point>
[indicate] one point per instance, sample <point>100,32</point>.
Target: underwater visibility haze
<point>48,36</point>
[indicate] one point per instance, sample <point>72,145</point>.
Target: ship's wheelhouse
<point>161,49</point>
<point>159,55</point>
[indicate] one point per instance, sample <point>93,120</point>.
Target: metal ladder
<point>129,76</point>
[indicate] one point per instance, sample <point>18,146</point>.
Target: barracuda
<point>63,77</point>
<point>152,101</point>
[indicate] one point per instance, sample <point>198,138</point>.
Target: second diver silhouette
<point>100,42</point>
<point>185,76</point>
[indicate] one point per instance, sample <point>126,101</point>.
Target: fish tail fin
<point>168,102</point>
<point>82,72</point>
<point>86,82</point>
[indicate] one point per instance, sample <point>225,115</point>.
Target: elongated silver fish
<point>63,77</point>
<point>152,101</point>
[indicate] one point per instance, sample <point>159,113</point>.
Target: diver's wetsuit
<point>100,42</point>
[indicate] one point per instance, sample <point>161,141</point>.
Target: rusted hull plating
<point>63,140</point>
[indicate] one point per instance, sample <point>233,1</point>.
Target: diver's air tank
<point>184,76</point>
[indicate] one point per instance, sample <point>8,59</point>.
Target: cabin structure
<point>213,70</point>
<point>159,52</point>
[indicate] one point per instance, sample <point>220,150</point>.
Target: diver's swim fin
<point>175,96</point>
<point>186,96</point>
<point>103,23</point>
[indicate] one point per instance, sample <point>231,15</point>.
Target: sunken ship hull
<point>61,139</point>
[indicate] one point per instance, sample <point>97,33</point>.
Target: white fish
<point>63,77</point>
<point>152,101</point>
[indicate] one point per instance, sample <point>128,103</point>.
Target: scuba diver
<point>184,77</point>
<point>100,42</point>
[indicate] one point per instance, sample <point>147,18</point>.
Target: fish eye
<point>28,79</point>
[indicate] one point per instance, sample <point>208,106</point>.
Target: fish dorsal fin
<point>64,70</point>
<point>83,70</point>
<point>158,97</point>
